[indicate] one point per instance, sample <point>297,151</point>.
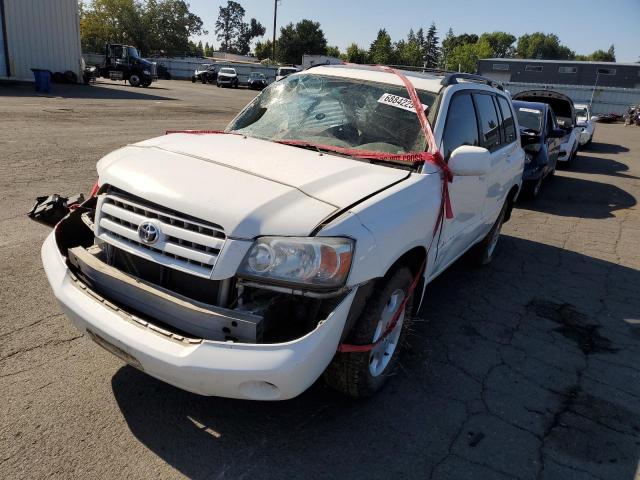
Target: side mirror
<point>470,161</point>
<point>557,133</point>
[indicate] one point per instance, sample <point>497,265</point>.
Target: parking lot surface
<point>524,369</point>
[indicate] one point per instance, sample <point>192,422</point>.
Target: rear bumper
<point>235,370</point>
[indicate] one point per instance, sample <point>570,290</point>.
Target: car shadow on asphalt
<point>512,371</point>
<point>97,91</point>
<point>567,196</point>
<point>600,166</point>
<point>600,147</point>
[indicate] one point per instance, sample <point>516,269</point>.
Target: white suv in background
<point>247,263</point>
<point>227,77</point>
<point>586,124</point>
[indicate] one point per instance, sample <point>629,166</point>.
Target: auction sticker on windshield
<point>398,102</point>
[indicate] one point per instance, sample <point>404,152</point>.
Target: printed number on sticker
<point>398,102</point>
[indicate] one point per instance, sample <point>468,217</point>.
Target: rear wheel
<point>361,374</point>
<point>531,188</point>
<point>482,253</point>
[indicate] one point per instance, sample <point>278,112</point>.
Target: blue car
<point>541,139</point>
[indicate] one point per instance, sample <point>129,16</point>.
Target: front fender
<point>398,219</point>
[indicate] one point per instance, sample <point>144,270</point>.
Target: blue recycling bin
<point>43,79</point>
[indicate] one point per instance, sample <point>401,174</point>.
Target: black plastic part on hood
<point>49,210</point>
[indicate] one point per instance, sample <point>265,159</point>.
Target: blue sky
<point>582,25</point>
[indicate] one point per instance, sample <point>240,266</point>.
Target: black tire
<point>570,159</point>
<point>531,189</point>
<point>193,79</point>
<point>483,253</point>
<point>134,80</point>
<point>203,79</point>
<point>350,373</point>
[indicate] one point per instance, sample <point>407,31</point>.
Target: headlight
<point>321,262</point>
<point>146,72</point>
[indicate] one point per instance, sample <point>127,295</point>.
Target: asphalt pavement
<point>524,369</point>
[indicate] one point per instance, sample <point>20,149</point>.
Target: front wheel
<point>361,374</point>
<point>134,80</point>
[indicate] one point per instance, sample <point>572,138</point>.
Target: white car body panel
<point>569,146</point>
<point>252,187</point>
<point>208,368</point>
<point>586,125</point>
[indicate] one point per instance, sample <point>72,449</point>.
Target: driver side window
<point>461,127</point>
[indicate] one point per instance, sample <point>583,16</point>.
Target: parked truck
<point>123,62</point>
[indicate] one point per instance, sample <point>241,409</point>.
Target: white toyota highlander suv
<point>247,263</point>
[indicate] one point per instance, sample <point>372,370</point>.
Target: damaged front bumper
<point>275,371</point>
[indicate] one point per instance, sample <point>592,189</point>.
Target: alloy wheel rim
<point>536,189</point>
<point>381,354</point>
<point>494,238</point>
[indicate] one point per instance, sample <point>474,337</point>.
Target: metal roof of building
<point>576,62</point>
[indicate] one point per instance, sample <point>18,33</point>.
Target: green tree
<point>447,48</point>
<point>246,33</point>
<point>234,33</point>
<point>114,21</point>
<point>306,36</point>
<point>542,46</point>
<point>228,24</point>
<point>167,25</point>
<point>604,56</point>
<point>450,43</point>
<point>333,52</point>
<point>381,50</point>
<point>154,26</point>
<point>465,56</point>
<point>501,43</point>
<point>420,38</point>
<point>408,52</point>
<point>431,51</point>
<point>355,54</point>
<point>263,50</point>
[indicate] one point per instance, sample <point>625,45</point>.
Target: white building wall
<point>605,99</point>
<point>43,34</point>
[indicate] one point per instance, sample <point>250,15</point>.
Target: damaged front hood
<point>248,186</point>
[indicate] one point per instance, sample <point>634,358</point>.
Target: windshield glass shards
<point>336,112</point>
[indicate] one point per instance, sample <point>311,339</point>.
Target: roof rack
<point>452,79</point>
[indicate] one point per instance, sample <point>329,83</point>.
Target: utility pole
<point>594,88</point>
<point>275,16</point>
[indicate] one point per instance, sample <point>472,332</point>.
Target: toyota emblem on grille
<point>148,233</point>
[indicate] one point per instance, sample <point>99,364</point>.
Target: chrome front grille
<point>182,243</point>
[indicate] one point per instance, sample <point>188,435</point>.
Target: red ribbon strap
<point>195,132</point>
<point>348,348</point>
<point>436,157</point>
